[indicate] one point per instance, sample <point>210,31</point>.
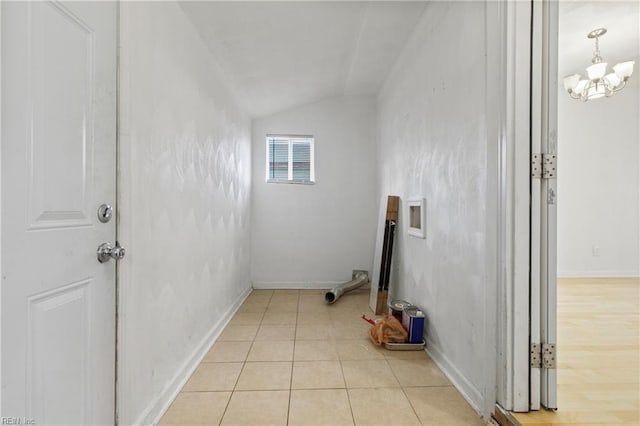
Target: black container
<point>396,307</point>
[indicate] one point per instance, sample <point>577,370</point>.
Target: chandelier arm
<point>575,95</point>
<point>620,86</point>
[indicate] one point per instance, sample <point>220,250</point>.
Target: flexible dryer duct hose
<point>360,278</point>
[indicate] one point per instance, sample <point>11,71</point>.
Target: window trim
<point>291,140</point>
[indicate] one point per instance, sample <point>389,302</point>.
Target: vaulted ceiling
<point>282,54</point>
<point>279,55</point>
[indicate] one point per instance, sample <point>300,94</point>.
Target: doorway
<point>590,305</point>
<point>597,228</point>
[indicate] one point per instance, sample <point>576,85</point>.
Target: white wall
<point>599,186</point>
<point>315,235</point>
<point>598,155</point>
<point>436,141</point>
<point>184,206</point>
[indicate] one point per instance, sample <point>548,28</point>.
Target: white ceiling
<point>279,55</point>
<point>620,43</point>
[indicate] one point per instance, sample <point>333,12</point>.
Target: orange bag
<point>388,330</point>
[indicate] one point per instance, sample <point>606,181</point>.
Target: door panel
<point>61,121</point>
<point>61,315</point>
<point>58,167</point>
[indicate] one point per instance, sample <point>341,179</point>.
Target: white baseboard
<point>295,285</point>
<point>598,274</point>
<point>157,407</point>
<point>469,392</point>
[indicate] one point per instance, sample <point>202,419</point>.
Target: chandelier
<point>598,83</point>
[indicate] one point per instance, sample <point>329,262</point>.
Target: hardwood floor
<point>598,353</point>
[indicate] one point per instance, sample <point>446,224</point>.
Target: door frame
<point>520,297</point>
<point>536,191</point>
<point>514,212</point>
<point>116,348</point>
<point>1,279</point>
<point>543,292</point>
<point>548,126</point>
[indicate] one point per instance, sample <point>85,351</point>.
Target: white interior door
<point>544,198</point>
<point>58,167</point>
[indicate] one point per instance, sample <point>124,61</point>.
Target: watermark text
<point>17,421</point>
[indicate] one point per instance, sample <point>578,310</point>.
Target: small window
<point>290,159</point>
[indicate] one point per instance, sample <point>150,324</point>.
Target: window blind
<point>290,159</point>
<point>301,157</point>
<point>278,159</point>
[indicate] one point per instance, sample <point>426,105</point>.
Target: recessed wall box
<point>416,216</point>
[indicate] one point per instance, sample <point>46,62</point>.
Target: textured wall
<point>185,211</point>
<point>433,143</point>
<point>315,235</point>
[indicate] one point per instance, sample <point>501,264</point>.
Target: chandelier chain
<point>596,55</point>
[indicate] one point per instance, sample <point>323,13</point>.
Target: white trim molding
<point>159,406</point>
<point>513,84</point>
<point>468,391</point>
<point>598,274</point>
<point>296,285</point>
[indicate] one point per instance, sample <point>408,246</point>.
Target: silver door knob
<point>107,252</point>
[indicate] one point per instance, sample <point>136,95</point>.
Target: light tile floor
<point>286,358</point>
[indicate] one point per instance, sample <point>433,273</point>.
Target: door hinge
<point>536,167</point>
<point>544,166</point>
<point>549,165</point>
<point>549,355</point>
<point>536,356</point>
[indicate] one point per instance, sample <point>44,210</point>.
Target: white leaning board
<point>377,253</point>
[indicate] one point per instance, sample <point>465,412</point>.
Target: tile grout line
<point>415,413</point>
<point>243,364</point>
<point>346,389</point>
<point>293,356</point>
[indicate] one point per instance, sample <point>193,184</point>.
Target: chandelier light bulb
<point>596,71</point>
<point>598,83</point>
<point>624,69</point>
<point>612,79</point>
<point>570,82</point>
